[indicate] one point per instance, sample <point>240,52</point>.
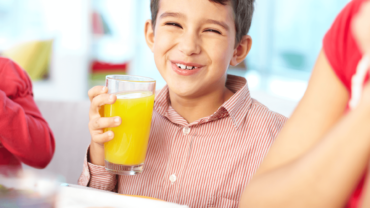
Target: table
<point>74,196</point>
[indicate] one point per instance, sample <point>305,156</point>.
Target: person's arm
<point>322,105</point>
<point>94,173</point>
<point>314,161</point>
<point>361,31</point>
<point>365,199</point>
<point>361,27</point>
<point>96,176</point>
<point>23,131</point>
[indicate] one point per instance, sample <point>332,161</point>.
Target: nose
<point>189,44</point>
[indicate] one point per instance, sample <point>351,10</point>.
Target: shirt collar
<point>236,107</point>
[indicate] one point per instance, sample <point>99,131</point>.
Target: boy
<point>208,136</point>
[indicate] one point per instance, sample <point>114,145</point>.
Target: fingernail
<point>103,90</point>
<point>117,120</point>
<point>111,97</point>
<point>110,134</point>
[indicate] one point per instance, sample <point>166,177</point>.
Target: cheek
<point>162,44</point>
<point>159,50</point>
<point>220,54</point>
<point>163,41</point>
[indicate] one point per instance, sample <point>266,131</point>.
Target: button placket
<point>186,130</point>
<point>173,178</point>
<point>174,167</point>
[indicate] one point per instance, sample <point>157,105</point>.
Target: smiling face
<point>193,44</point>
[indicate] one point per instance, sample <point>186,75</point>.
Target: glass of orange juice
<point>125,153</point>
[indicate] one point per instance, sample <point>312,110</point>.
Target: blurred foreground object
<point>27,189</point>
<point>33,57</point>
<point>25,136</point>
<point>361,27</point>
<point>80,196</point>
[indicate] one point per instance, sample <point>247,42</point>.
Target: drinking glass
<point>125,153</point>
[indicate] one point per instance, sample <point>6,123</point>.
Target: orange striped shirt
<point>206,163</point>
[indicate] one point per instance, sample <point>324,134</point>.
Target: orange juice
<point>129,145</point>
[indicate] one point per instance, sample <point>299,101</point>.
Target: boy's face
<point>193,43</point>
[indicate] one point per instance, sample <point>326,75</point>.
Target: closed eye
<point>211,30</point>
<point>173,24</point>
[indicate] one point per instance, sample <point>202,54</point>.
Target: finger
<point>102,138</point>
<point>98,101</point>
<point>95,91</point>
<point>101,123</point>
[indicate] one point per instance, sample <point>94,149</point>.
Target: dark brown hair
<point>243,12</point>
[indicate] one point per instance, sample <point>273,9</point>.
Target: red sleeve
<point>339,44</point>
<point>23,131</point>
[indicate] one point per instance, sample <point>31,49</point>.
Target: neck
<point>195,108</point>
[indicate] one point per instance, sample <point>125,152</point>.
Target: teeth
<point>181,66</point>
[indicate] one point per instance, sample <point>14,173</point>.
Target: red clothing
<point>206,163</point>
<point>24,134</point>
<point>344,55</point>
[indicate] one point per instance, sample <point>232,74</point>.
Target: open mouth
<point>186,67</point>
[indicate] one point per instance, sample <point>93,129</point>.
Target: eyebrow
<point>210,21</point>
<point>172,14</point>
<point>222,24</point>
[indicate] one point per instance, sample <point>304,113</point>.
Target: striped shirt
<point>206,163</point>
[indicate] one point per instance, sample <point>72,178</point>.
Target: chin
<point>183,91</point>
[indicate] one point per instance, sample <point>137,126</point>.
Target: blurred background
<point>68,46</point>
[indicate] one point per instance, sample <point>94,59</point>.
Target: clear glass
<point>125,153</point>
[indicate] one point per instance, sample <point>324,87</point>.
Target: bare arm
<point>314,153</point>
<point>361,31</point>
<point>321,107</point>
<point>365,200</point>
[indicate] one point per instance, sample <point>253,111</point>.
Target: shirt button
<point>186,130</point>
<point>173,178</point>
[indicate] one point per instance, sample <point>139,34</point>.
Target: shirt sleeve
<point>339,44</point>
<point>23,131</point>
<point>95,176</point>
<point>280,121</point>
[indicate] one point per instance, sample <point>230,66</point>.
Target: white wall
<point>68,21</point>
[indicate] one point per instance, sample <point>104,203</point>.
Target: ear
<point>242,50</point>
<point>149,34</point>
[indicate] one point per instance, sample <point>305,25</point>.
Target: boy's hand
<point>361,27</point>
<point>99,97</point>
